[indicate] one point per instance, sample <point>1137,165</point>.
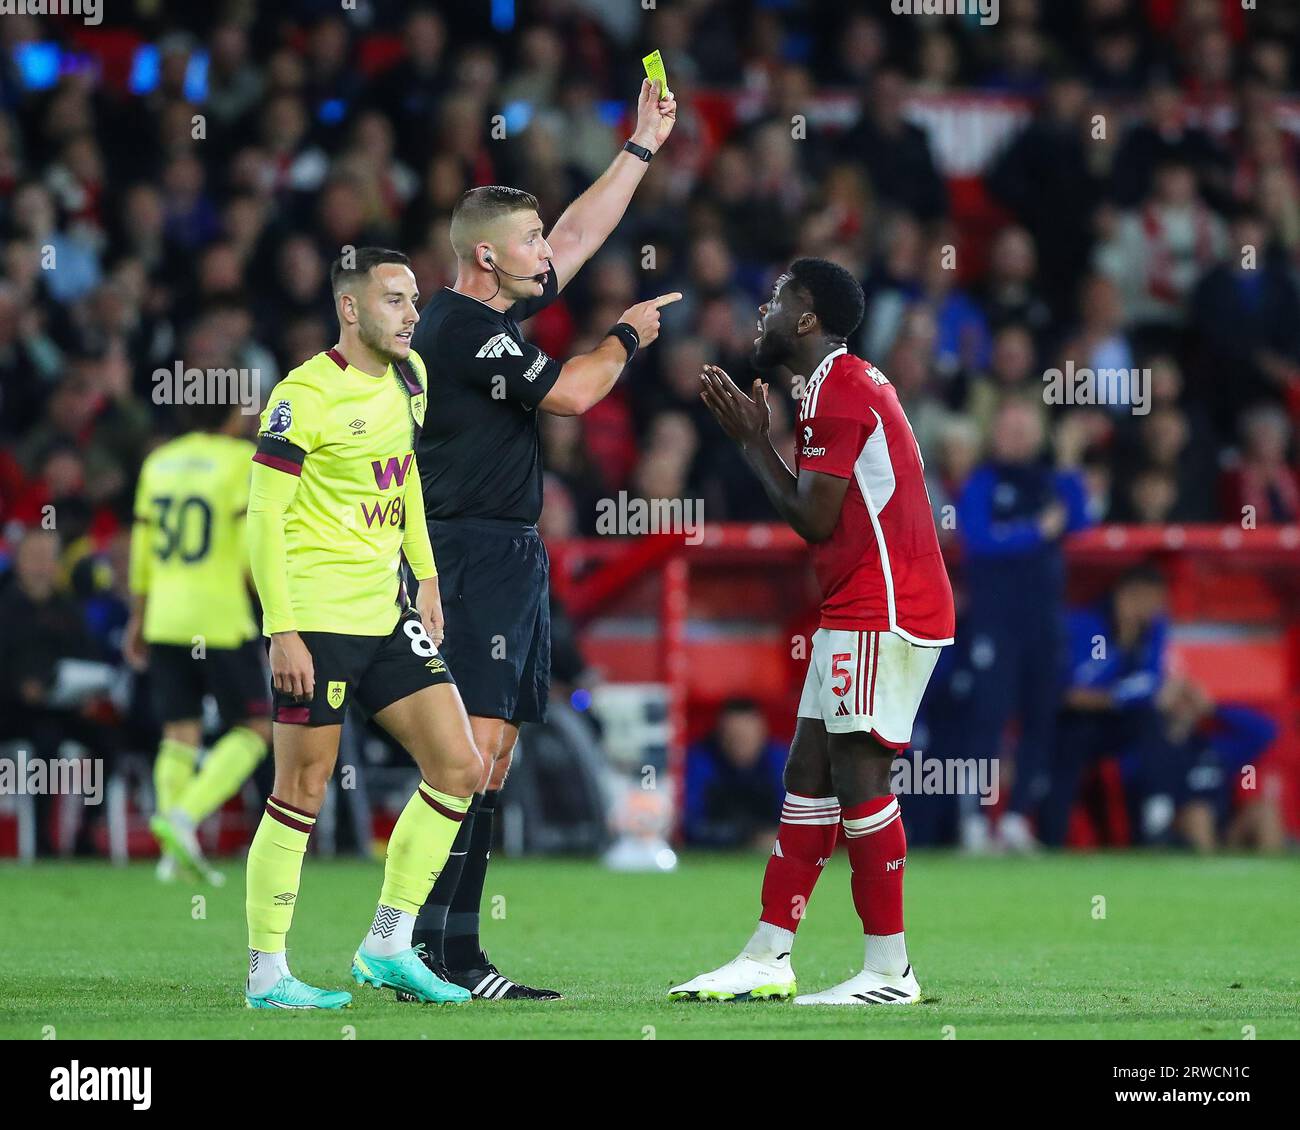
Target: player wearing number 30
<point>334,508</point>
<point>192,623</point>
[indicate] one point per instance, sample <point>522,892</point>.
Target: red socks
<point>804,843</point>
<point>873,832</point>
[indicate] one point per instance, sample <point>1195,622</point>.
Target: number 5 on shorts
<point>837,673</point>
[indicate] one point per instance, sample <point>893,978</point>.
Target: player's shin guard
<point>227,766</point>
<point>804,843</point>
<point>173,770</point>
<point>877,846</point>
<point>419,845</point>
<point>274,871</point>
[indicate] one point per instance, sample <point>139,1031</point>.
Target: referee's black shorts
<point>493,577</point>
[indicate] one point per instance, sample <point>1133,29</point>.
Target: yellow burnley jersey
<point>188,553</point>
<point>350,438</point>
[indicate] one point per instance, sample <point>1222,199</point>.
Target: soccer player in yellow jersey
<point>192,622</point>
<point>335,506</point>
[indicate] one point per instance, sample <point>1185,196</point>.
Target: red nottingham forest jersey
<point>881,569</point>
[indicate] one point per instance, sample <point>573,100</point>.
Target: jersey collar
<point>825,366</point>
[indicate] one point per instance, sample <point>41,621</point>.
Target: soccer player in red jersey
<point>857,496</point>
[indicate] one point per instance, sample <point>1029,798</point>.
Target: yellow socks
<point>226,767</point>
<point>274,870</point>
<point>417,851</point>
<point>173,769</point>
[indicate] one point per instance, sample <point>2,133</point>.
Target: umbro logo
<point>358,427</point>
<point>286,898</point>
<point>499,345</point>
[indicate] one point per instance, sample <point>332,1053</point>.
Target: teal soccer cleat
<point>289,992</point>
<point>405,972</point>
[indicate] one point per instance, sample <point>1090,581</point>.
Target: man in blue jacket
<point>1111,702</point>
<point>1011,517</point>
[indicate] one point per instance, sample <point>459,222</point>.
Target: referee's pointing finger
<point>664,299</point>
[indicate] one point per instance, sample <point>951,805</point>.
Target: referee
<point>480,458</point>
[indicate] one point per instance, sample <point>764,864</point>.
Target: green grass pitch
<point>1187,948</point>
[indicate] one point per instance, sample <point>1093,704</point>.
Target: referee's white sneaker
<point>744,978</point>
<point>869,987</point>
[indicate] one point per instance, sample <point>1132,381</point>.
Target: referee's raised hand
<point>644,316</point>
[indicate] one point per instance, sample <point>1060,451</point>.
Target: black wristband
<point>638,150</point>
<point>629,338</point>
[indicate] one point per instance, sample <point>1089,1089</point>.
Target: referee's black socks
<point>461,945</point>
<point>431,923</point>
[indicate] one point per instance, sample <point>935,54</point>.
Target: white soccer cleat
<point>744,978</point>
<point>179,839</point>
<point>976,837</point>
<point>869,987</point>
<point>1016,835</point>
<point>166,869</point>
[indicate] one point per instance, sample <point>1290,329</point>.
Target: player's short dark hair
<point>363,260</point>
<point>836,296</point>
<point>479,207</point>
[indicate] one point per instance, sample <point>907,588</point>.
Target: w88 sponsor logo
<point>384,513</point>
<point>388,474</point>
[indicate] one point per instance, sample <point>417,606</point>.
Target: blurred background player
<point>482,465</point>
<point>858,496</point>
<point>192,624</point>
<point>334,508</point>
<point>733,781</point>
<point>1011,517</point>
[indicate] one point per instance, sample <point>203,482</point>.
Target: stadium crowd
<point>191,213</point>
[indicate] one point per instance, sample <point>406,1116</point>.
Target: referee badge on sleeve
<point>334,694</point>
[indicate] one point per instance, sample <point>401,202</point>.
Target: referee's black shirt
<point>480,451</point>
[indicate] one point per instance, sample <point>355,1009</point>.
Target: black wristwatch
<point>638,150</point>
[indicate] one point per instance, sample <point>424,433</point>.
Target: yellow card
<point>654,69</point>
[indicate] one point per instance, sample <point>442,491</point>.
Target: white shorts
<point>869,681</point>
